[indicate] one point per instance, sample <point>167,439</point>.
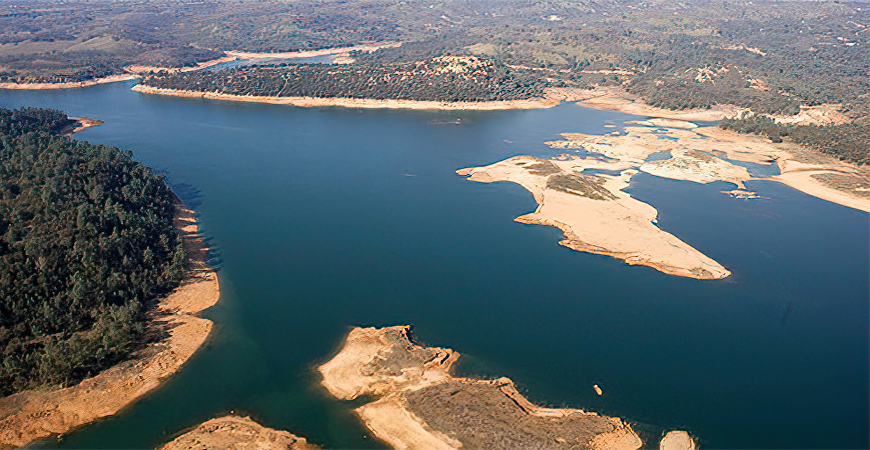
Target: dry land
<point>596,216</point>
<point>237,433</point>
<point>594,213</point>
<point>420,405</point>
<point>341,55</point>
<point>34,414</point>
<point>69,85</point>
<point>312,102</point>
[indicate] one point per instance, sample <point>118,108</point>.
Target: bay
<point>328,218</point>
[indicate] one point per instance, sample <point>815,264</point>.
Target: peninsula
<point>443,82</point>
<point>100,300</point>
<point>419,404</point>
<point>595,215</point>
<point>38,413</point>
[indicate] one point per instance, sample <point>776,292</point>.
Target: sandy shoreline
<point>419,404</point>
<point>236,433</point>
<point>69,85</point>
<point>139,69</point>
<point>34,414</point>
<point>311,53</point>
<point>134,74</point>
<point>313,102</point>
<point>758,148</point>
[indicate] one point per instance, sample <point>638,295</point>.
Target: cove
<point>327,218</point>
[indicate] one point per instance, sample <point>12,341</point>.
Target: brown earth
<point>236,433</point>
<point>421,405</point>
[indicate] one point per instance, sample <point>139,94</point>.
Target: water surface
<point>329,218</point>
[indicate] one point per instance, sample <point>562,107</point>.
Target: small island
<point>419,404</point>
<point>236,433</point>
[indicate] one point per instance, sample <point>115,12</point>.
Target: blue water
<point>329,218</point>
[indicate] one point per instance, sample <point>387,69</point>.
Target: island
<point>416,402</point>
<point>582,193</point>
<point>237,433</point>
<point>119,292</point>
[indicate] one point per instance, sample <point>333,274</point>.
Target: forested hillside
<point>848,141</point>
<point>86,243</point>
<point>449,79</point>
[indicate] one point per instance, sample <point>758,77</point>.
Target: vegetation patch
<point>582,185</point>
<point>848,141</point>
<point>448,79</point>
<point>87,243</point>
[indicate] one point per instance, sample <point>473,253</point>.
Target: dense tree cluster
<point>848,141</point>
<point>86,242</point>
<point>440,79</point>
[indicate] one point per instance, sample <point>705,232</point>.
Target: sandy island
<point>420,405</point>
<point>34,414</point>
<point>312,102</point>
<point>237,433</point>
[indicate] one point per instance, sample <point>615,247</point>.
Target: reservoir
<point>323,219</point>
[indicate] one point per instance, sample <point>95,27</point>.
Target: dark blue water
<point>329,218</point>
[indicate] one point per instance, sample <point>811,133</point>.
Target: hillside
<point>86,244</point>
<point>446,78</point>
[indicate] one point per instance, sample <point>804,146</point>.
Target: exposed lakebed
<point>328,218</point>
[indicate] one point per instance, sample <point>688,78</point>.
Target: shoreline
<point>368,48</point>
<point>314,102</point>
<point>616,99</point>
<point>413,400</point>
<point>134,73</point>
<point>70,84</point>
<point>36,414</point>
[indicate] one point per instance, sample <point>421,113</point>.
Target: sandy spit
<point>368,48</point>
<point>421,405</point>
<point>68,85</point>
<point>133,70</point>
<point>140,69</point>
<point>616,99</point>
<point>314,102</point>
<point>34,414</point>
<point>236,433</point>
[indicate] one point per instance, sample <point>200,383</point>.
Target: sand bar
<point>69,85</point>
<point>314,102</point>
<point>140,69</point>
<point>368,48</point>
<point>34,414</point>
<point>134,73</point>
<point>421,405</point>
<point>237,433</point>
